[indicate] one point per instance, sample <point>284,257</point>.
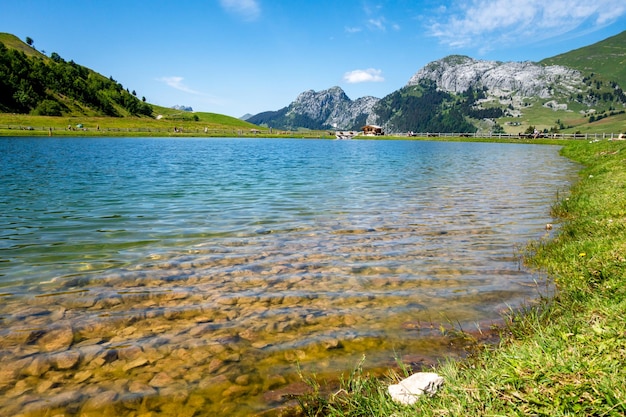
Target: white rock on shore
<point>410,389</point>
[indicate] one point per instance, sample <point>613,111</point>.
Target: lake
<point>195,276</point>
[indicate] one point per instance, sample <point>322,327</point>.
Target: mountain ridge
<point>458,73</point>
<point>564,83</point>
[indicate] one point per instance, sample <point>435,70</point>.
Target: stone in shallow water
<point>66,360</point>
<point>160,380</point>
<point>82,376</point>
<point>37,367</point>
<point>58,338</point>
<point>234,391</point>
<point>100,400</point>
<point>135,364</point>
<point>410,389</point>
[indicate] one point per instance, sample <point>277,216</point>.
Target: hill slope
<point>13,42</point>
<point>32,83</point>
<point>606,58</point>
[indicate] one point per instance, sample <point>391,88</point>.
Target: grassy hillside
<point>172,123</point>
<point>603,65</point>
<point>597,106</point>
<point>46,95</point>
<point>606,58</point>
<point>32,83</point>
<point>13,42</point>
<point>576,119</point>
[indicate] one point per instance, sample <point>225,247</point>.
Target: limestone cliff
<point>513,80</point>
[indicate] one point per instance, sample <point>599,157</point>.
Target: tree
<point>56,57</point>
<point>29,41</point>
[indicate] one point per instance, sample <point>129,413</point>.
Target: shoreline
<point>234,134</point>
<point>563,356</point>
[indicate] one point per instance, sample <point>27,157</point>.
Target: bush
<point>48,108</point>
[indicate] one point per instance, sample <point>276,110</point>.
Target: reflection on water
<point>192,276</point>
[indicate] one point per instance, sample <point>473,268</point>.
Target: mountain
<point>462,94</point>
<point>456,74</point>
<point>327,109</point>
<point>33,83</point>
<point>480,89</point>
<point>182,108</point>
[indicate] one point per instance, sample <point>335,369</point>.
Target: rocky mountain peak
<point>332,107</point>
<point>457,73</point>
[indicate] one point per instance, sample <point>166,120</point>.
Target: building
<point>372,130</point>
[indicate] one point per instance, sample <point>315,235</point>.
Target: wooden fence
<point>585,136</point>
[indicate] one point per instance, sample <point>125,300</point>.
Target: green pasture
<point>574,119</point>
<point>172,123</point>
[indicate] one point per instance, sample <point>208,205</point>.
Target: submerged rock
<point>56,339</point>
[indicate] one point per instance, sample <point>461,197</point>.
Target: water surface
<point>183,276</point>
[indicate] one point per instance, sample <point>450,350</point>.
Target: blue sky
<point>247,56</point>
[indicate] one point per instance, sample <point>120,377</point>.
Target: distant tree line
<point>598,117</point>
<point>44,86</point>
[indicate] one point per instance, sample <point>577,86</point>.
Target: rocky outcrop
<point>456,74</point>
<point>332,107</point>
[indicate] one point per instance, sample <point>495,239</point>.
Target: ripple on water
<point>207,297</point>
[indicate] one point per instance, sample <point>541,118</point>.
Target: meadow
<point>171,122</point>
<point>167,123</point>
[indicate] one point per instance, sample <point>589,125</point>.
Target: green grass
<point>574,121</point>
<point>188,124</point>
<point>12,41</point>
<point>606,58</point>
<point>565,355</point>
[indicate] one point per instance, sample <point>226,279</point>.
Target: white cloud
<point>177,83</point>
<point>378,23</point>
<point>490,23</point>
<point>353,29</point>
<point>363,76</point>
<point>247,9</point>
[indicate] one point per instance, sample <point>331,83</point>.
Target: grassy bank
<point>564,356</point>
<point>171,123</point>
